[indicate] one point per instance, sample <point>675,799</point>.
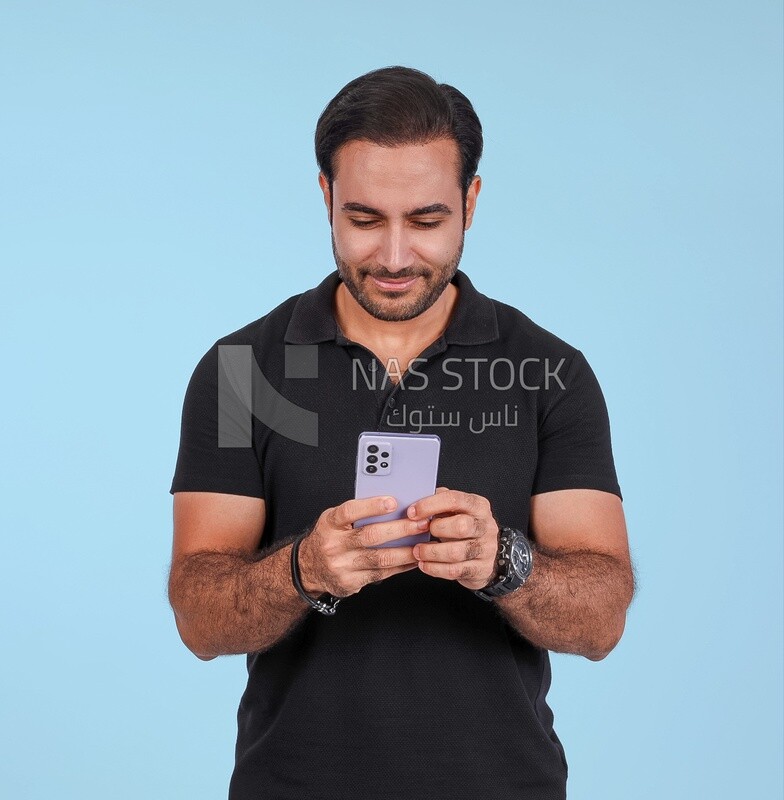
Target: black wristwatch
<point>515,562</point>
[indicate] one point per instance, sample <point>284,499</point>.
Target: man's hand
<point>467,533</point>
<point>337,558</point>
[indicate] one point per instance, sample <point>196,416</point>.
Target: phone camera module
<point>372,459</point>
<point>371,469</point>
<point>373,448</point>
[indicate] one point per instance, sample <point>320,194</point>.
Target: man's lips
<point>394,284</point>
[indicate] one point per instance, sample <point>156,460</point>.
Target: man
<point>405,671</point>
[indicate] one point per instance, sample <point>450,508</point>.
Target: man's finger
<point>378,575</point>
<point>455,570</point>
<point>451,501</point>
<point>383,558</point>
<point>346,514</point>
<point>449,552</point>
<point>456,526</point>
<point>377,533</point>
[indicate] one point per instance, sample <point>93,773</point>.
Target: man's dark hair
<point>395,106</point>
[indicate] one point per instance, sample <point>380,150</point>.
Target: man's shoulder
<point>517,329</point>
<point>269,328</point>
<point>305,316</point>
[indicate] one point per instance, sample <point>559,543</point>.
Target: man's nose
<point>395,248</point>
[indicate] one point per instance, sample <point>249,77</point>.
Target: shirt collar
<point>313,320</point>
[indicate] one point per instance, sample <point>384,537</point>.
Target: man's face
<point>397,223</point>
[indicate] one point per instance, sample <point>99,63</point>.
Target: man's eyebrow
<point>361,209</point>
<point>433,208</point>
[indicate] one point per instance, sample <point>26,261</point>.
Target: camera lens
<point>372,459</point>
<point>383,465</point>
<point>385,455</point>
<point>373,448</point>
<point>371,469</point>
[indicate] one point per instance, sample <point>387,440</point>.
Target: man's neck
<point>393,338</point>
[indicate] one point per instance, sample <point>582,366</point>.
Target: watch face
<point>519,558</point>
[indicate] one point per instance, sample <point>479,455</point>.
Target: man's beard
<point>354,278</point>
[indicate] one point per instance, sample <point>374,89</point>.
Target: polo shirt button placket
<point>389,410</point>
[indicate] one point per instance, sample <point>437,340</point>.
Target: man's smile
<point>394,284</point>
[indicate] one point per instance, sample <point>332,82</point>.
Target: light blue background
<point>158,190</point>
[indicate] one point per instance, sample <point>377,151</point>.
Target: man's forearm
<point>229,603</point>
<point>573,602</point>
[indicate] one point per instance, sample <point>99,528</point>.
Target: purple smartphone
<point>403,465</point>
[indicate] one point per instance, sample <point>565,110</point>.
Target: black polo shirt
<point>416,688</point>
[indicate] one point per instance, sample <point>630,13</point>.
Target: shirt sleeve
<point>575,451</point>
<point>203,465</point>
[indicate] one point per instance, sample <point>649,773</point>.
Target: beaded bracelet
<point>327,606</point>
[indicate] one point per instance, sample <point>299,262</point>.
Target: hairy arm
<point>582,583</point>
<point>227,596</point>
<point>575,599</point>
<point>229,603</point>
<point>230,598</point>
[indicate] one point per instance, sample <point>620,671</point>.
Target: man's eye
<point>362,223</point>
<point>427,224</point>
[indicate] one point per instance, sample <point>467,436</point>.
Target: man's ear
<point>471,195</point>
<point>324,184</point>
